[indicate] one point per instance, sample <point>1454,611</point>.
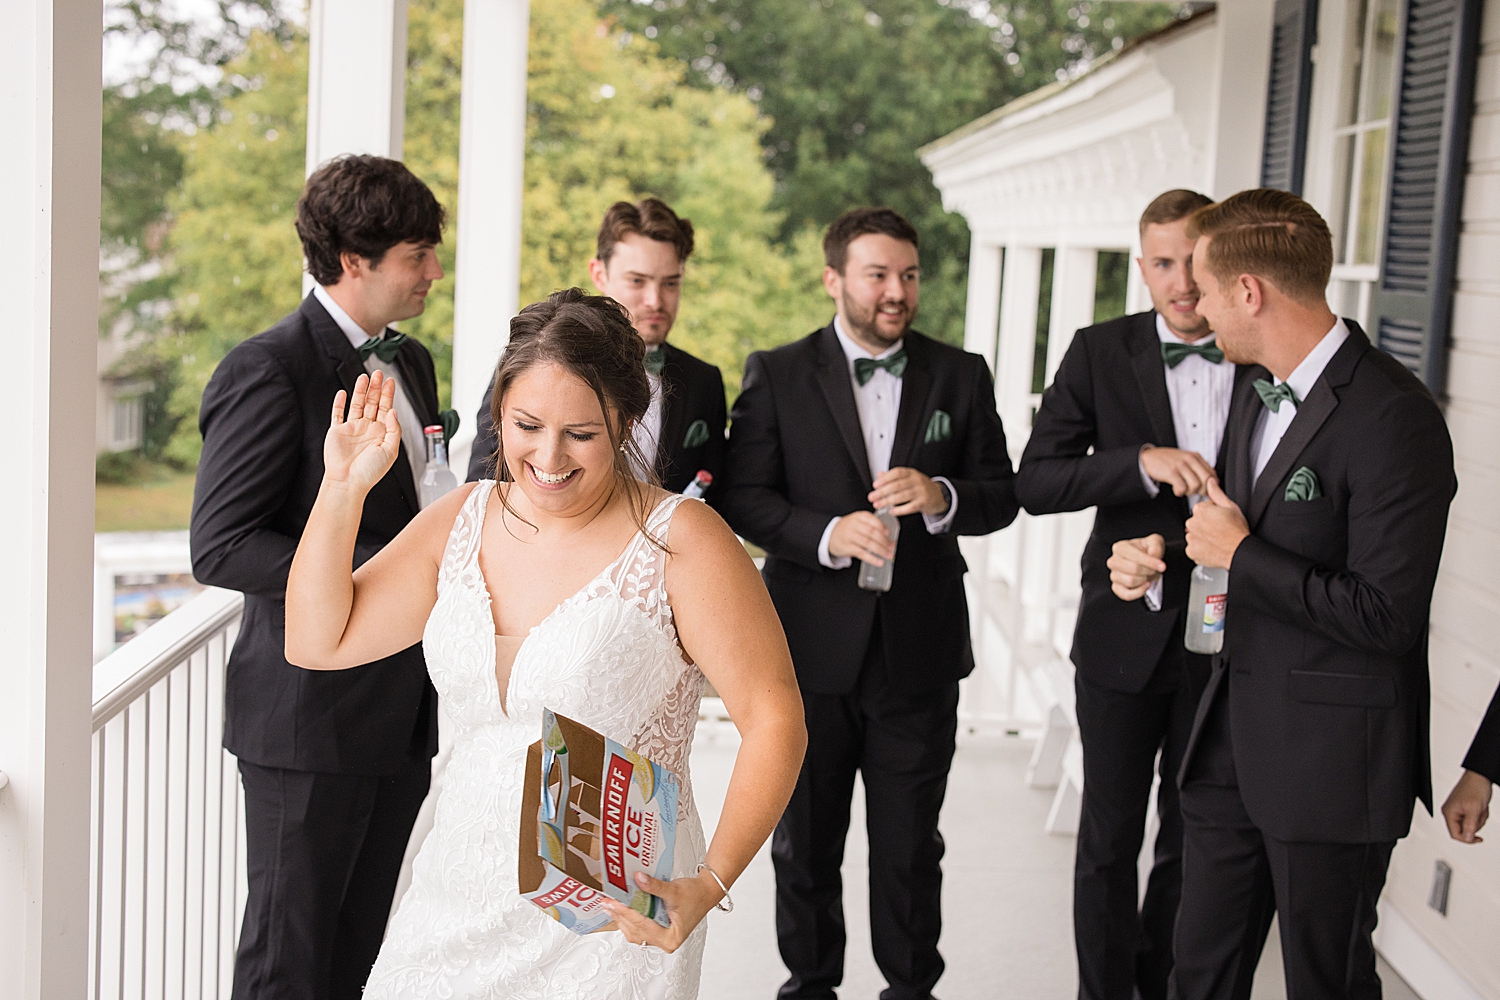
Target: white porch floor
<point>1000,864</point>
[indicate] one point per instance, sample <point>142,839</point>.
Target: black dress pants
<point>323,852</point>
<point>1125,950</point>
<point>1236,878</point>
<point>902,744</point>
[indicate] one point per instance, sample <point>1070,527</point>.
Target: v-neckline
<point>489,598</point>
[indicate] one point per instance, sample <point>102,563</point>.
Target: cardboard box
<point>592,815</point>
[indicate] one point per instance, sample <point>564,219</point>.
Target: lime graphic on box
<point>595,813</point>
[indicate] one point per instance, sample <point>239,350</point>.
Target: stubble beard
<point>866,325</point>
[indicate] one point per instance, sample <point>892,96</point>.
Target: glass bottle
<point>878,578</point>
<point>437,478</point>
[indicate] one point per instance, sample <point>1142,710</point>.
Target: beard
<point>865,323</point>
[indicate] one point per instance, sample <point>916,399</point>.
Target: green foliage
<point>854,87</point>
<point>434,61</point>
<point>235,252</point>
<point>609,119</point>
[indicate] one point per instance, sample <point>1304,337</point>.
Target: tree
<point>609,119</point>
<point>854,87</point>
<point>235,256</point>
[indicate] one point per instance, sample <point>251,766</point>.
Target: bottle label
<point>1213,612</point>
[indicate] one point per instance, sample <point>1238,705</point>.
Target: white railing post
<point>50,82</point>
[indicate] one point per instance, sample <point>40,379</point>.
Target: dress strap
<point>462,553</point>
<point>640,575</point>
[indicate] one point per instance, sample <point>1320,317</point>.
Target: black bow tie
<point>385,348</point>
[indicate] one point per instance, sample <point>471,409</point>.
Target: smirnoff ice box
<point>594,813</point>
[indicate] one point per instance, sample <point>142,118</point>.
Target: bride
<point>569,585</point>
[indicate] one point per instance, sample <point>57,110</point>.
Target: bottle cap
<point>433,428</point>
<point>705,477</point>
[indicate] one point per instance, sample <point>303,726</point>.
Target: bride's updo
<point>591,337</point>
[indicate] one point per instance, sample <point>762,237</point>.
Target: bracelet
<point>726,904</point>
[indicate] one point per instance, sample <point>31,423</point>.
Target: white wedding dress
<point>607,657</point>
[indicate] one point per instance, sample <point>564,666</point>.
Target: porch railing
<point>167,884</point>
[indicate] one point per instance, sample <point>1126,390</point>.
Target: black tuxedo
<point>1484,753</point>
<point>1311,745</point>
<point>879,673</point>
<point>692,425</point>
<point>1137,688</point>
<point>365,735</point>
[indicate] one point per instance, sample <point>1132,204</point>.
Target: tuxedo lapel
<point>1151,374</point>
<point>1311,415</point>
<point>426,411</point>
<point>833,380</point>
<point>326,332</point>
<point>1237,464</point>
<point>916,383</point>
<point>673,412</point>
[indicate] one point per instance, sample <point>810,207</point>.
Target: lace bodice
<point>607,656</point>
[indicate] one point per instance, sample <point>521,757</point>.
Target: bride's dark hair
<point>590,336</point>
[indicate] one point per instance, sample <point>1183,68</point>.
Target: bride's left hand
<point>688,902</point>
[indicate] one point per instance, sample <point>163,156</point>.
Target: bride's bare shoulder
<point>698,533</point>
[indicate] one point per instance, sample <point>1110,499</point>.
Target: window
<point>125,423</point>
<point>1361,137</point>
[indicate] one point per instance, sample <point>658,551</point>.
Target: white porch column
<point>1239,117</point>
<point>50,81</point>
<point>491,165</point>
<point>356,79</point>
<point>982,315</point>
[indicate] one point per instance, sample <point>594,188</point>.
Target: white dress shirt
<point>879,403</point>
<point>1200,393</point>
<point>1271,427</point>
<point>647,432</point>
<point>411,426</point>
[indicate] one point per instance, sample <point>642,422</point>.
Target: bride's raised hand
<point>688,902</point>
<point>359,450</point>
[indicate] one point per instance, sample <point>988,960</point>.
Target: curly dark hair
<point>859,222</point>
<point>363,205</point>
<point>591,337</point>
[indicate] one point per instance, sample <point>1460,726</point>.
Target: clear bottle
<point>1208,596</point>
<point>437,478</point>
<point>878,578</point>
<point>699,486</point>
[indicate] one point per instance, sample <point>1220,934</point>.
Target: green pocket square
<point>939,428</point>
<point>449,420</point>
<point>1303,485</point>
<point>697,433</point>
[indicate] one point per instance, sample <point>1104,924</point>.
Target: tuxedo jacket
<point>1325,641</point>
<point>692,425</point>
<point>1109,398</point>
<point>265,414</point>
<point>797,459</point>
<point>1484,752</point>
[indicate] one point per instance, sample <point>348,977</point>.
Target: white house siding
<point>1466,608</point>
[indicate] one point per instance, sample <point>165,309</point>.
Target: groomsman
<point>334,765</point>
<point>1132,426</point>
<point>861,415</point>
<point>1468,805</point>
<point>1311,742</point>
<point>642,252</point>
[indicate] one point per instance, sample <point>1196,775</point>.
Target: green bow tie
<point>864,368</point>
<point>1272,395</point>
<point>655,360</point>
<point>1172,352</point>
<point>385,348</point>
